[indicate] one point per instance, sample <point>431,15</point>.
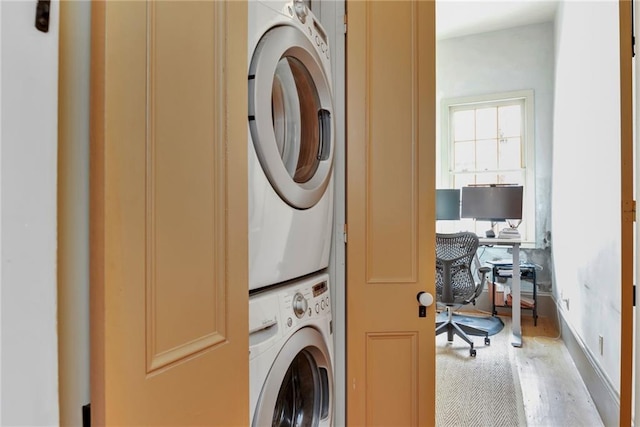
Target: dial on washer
<point>299,305</point>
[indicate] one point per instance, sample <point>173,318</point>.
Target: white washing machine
<point>291,354</point>
<point>291,143</point>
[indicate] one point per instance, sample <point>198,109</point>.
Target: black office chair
<point>455,284</point>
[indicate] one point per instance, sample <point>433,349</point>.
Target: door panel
<point>168,264</point>
<point>184,207</point>
<point>390,212</point>
<point>399,351</point>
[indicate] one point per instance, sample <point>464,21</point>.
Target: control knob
<point>300,305</point>
<point>301,10</point>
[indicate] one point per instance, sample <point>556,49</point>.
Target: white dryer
<point>291,143</point>
<point>291,355</point>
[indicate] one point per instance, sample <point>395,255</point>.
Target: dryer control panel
<point>299,11</point>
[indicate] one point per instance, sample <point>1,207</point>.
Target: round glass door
<point>290,116</point>
<point>298,398</point>
<point>298,389</point>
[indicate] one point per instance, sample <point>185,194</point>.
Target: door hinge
<point>344,21</point>
<point>86,415</point>
<point>634,295</point>
<point>629,211</point>
<point>633,31</point>
<point>344,233</point>
<point>42,15</point>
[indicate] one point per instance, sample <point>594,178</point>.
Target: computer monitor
<point>492,202</point>
<point>448,204</point>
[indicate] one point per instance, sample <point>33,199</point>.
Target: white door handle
<point>425,298</point>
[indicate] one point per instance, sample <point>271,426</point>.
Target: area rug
<point>478,391</point>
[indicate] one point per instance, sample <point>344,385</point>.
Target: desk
<point>516,330</point>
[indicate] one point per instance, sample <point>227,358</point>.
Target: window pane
<point>463,125</point>
<point>486,178</point>
<point>486,123</point>
<point>464,156</point>
<point>462,180</point>
<point>482,227</point>
<point>511,178</point>
<point>509,121</point>
<point>488,140</point>
<point>510,153</point>
<point>487,154</point>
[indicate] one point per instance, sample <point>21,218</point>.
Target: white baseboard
<point>604,396</point>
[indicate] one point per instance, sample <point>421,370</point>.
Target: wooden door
<point>169,293</point>
<point>628,214</point>
<point>390,212</point>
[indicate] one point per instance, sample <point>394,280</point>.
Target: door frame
<point>627,214</point>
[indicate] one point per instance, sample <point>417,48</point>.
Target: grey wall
<point>586,179</point>
<point>331,15</point>
<point>73,211</point>
<point>504,61</point>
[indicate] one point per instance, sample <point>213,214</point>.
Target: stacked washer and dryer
<point>291,146</point>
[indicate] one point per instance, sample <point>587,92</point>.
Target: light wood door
<point>169,293</point>
<point>390,212</point>
<point>628,214</point>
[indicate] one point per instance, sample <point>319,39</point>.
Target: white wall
<point>28,134</point>
<point>586,178</point>
<point>504,61</point>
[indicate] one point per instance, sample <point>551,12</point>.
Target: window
<point>489,140</point>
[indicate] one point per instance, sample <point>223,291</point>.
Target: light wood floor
<point>552,390</point>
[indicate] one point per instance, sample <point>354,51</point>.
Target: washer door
<point>291,116</point>
<point>299,388</point>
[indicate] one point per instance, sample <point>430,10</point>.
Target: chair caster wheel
<point>487,341</point>
<point>472,352</point>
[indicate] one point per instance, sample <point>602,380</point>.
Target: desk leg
<point>516,331</point>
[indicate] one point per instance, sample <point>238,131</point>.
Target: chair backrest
<point>454,254</point>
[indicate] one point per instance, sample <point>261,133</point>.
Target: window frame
<point>527,151</point>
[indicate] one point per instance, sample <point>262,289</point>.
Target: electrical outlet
<point>601,344</point>
<point>565,300</point>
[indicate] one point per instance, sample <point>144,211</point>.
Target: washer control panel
<point>275,312</point>
<point>307,302</point>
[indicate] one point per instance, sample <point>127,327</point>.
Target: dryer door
<point>291,115</point>
<point>299,388</point>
